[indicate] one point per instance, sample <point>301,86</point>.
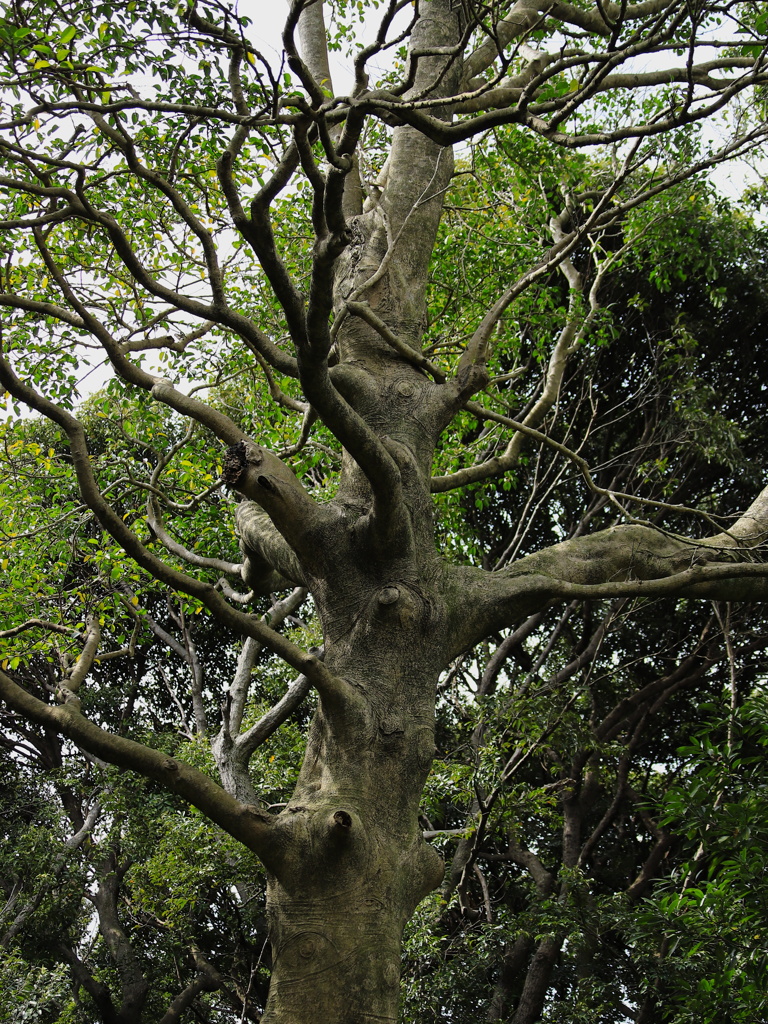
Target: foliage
<point>313,434</point>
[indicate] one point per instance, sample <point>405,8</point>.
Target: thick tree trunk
<point>336,940</point>
<point>351,863</point>
<point>354,864</point>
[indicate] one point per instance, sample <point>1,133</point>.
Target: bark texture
<point>346,856</point>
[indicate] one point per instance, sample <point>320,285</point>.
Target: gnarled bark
<point>346,858</point>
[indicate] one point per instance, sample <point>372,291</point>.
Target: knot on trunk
<point>342,820</point>
<point>238,458</point>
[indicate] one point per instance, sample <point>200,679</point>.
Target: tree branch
<point>622,561</point>
<point>251,827</point>
<point>244,624</point>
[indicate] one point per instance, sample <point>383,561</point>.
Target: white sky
<point>267,21</point>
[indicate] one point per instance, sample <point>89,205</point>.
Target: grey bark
<point>346,858</point>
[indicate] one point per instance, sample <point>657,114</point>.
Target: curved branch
<point>387,106</point>
<point>217,311</point>
<point>248,625</point>
<point>623,561</point>
<point>155,523</point>
<point>570,334</point>
<point>237,694</point>
<point>583,466</point>
<point>513,91</point>
<point>53,627</point>
<point>161,390</point>
<point>257,474</point>
<point>269,563</point>
<point>207,980</point>
<point>247,743</point>
<point>526,14</point>
<point>81,668</point>
<point>250,826</point>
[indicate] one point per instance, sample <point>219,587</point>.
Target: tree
<point>207,222</point>
<point>596,870</point>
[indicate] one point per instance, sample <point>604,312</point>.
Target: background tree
<point>206,222</point>
<point>598,871</point>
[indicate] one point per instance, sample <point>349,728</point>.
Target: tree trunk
<point>337,947</point>
<point>354,864</point>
